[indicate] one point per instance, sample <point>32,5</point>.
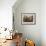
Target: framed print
<point>28,18</point>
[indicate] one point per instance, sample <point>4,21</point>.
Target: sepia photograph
<point>28,18</point>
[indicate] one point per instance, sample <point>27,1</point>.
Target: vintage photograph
<point>28,18</point>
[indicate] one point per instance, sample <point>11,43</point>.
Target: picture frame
<point>28,18</point>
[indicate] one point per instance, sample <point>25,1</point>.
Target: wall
<point>6,13</point>
<point>29,31</point>
<point>43,22</point>
<point>6,16</point>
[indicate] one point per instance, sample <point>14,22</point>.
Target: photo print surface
<point>28,18</point>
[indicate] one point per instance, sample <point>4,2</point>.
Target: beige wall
<point>30,31</point>
<point>6,13</point>
<point>6,18</point>
<point>34,32</point>
<point>43,22</point>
